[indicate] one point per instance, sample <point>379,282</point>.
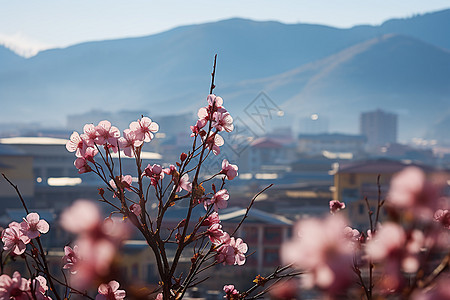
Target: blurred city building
<point>358,180</point>
<point>18,167</point>
<point>333,145</point>
<point>379,127</point>
<point>313,124</point>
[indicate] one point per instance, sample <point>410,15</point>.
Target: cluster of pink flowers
<point>335,206</point>
<point>85,145</point>
<point>96,244</point>
<point>332,252</point>
<point>219,200</point>
<point>230,251</point>
<point>110,291</point>
<point>94,247</point>
<point>17,236</point>
<point>19,288</point>
<point>230,292</point>
<point>221,120</point>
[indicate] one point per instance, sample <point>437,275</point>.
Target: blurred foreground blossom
<point>322,248</point>
<point>443,216</point>
<point>97,241</point>
<point>397,251</point>
<point>16,287</point>
<point>411,193</point>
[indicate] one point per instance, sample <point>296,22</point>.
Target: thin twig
<point>250,206</point>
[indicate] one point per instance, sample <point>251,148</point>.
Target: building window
<point>272,235</point>
<point>361,208</point>
<point>55,172</point>
<point>250,234</point>
<point>352,179</point>
<point>271,257</point>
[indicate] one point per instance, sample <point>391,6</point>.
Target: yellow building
<point>355,181</point>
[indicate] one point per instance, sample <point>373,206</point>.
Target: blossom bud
<point>183,156</point>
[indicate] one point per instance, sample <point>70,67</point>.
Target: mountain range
<point>402,65</point>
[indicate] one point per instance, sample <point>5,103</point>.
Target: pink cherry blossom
<point>154,172</point>
<point>14,288</point>
<point>14,239</point>
<point>90,153</point>
<point>211,219</point>
<point>320,247</point>
<point>136,209</point>
<point>223,121</point>
<point>196,129</point>
<point>232,251</point>
<point>125,182</point>
<point>76,143</point>
<point>71,258</point>
<point>144,129</point>
<point>39,286</point>
<point>159,296</point>
<point>106,133</point>
<point>231,292</point>
<point>231,171</point>
<point>184,184</point>
<point>203,117</point>
<point>110,291</point>
<point>215,233</point>
<point>225,255</point>
<point>170,170</point>
<point>240,248</point>
<point>129,142</point>
<point>213,142</point>
<point>82,165</point>
<point>336,206</point>
<point>219,200</point>
<point>89,135</point>
<point>33,227</point>
<point>214,100</point>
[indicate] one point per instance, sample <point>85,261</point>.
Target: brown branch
<point>18,193</point>
<point>250,206</point>
<point>213,75</point>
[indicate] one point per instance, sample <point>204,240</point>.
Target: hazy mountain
<point>303,65</point>
<point>8,58</point>
<point>393,72</point>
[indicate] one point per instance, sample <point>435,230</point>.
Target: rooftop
<point>33,141</point>
<point>379,166</point>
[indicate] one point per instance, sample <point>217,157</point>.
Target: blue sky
<point>29,25</point>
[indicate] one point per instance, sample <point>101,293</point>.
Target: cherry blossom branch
<point>249,207</point>
<point>182,243</point>
<point>444,265</point>
<point>18,193</point>
<point>263,280</point>
<point>41,252</point>
<point>213,74</point>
